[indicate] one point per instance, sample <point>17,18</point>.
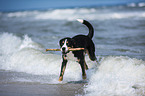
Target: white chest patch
<point>70,56</point>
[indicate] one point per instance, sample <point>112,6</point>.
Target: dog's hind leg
<point>86,66</point>
<point>83,67</point>
<point>91,55</point>
<point>63,66</point>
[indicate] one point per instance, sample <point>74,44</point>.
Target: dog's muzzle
<point>64,50</point>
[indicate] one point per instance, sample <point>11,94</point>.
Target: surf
<point>71,14</point>
<point>115,75</point>
<point>118,76</point>
<point>22,54</point>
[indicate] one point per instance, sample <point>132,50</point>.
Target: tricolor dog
<point>78,41</point>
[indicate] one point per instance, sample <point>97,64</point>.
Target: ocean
<point>119,43</point>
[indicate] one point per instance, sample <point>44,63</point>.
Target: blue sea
<point>119,43</point>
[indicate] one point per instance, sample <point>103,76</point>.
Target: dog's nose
<point>63,49</point>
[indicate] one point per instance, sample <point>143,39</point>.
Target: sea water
<point>119,42</point>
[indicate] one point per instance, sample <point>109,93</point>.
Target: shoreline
<point>26,89</point>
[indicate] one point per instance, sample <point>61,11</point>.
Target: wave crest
<point>73,14</point>
<point>118,76</point>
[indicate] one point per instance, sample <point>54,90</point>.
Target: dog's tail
<point>91,29</point>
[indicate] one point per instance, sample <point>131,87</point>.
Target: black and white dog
<point>78,41</point>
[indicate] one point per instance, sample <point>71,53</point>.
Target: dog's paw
<point>84,77</point>
<point>60,78</point>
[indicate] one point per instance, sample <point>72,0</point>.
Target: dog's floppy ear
<point>60,42</point>
<point>73,43</point>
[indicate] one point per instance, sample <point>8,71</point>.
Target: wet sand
<point>22,89</point>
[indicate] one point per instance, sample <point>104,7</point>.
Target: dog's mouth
<point>64,50</point>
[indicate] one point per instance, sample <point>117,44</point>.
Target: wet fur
<point>78,41</point>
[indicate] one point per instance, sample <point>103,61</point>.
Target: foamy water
<point>73,14</point>
<point>119,40</point>
<point>24,55</point>
<point>116,75</point>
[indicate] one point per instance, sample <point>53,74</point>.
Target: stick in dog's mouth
<point>70,49</point>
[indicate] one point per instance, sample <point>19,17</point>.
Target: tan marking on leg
<point>86,66</point>
<point>63,70</point>
<point>88,53</point>
<point>84,76</point>
<point>78,60</point>
<point>60,78</point>
<point>64,58</point>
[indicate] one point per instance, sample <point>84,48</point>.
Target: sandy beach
<point>22,89</point>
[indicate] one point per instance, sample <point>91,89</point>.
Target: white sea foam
<point>118,76</point>
<point>73,14</point>
<point>142,4</point>
<point>9,44</point>
<point>24,55</point>
<point>132,5</point>
<point>23,13</point>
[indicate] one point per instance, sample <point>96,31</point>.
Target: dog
<point>78,41</point>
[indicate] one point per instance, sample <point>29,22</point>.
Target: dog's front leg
<point>63,66</point>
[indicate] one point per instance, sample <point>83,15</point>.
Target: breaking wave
<point>74,13</point>
<point>116,75</point>
<point>141,4</point>
<point>25,55</point>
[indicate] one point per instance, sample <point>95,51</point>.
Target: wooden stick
<point>53,50</point>
<point>75,49</point>
<point>70,49</point>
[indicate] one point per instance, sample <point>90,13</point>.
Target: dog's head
<point>65,44</point>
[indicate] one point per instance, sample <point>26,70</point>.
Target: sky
<point>15,5</point>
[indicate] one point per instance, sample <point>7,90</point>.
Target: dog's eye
<point>62,41</point>
<point>67,42</point>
